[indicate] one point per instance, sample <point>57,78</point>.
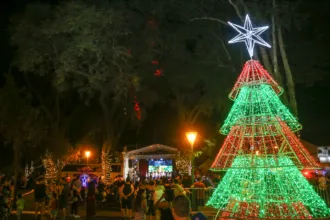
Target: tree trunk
<point>265,60</point>
<point>16,166</point>
<point>105,147</point>
<point>277,75</point>
<point>289,78</point>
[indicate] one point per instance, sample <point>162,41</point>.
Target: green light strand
<point>257,105</point>
<point>267,193</point>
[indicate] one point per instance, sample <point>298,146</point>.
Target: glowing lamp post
<point>191,136</point>
<point>87,153</point>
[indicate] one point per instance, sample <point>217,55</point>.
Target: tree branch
<point>237,10</point>
<point>210,19</point>
<point>223,45</point>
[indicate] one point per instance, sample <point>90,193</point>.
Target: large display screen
<point>160,166</point>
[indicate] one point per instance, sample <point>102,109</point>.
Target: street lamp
<point>87,153</point>
<point>191,136</point>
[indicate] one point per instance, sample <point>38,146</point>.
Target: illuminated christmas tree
<point>261,154</point>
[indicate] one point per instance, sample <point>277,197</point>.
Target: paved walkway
<point>31,217</point>
<point>100,214</point>
<point>109,210</point>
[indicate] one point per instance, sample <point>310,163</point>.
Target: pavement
<point>109,210</point>
<point>31,217</point>
<point>100,215</point>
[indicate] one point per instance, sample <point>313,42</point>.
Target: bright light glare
<point>87,153</point>
<point>191,136</point>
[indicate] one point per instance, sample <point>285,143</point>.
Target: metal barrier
<point>323,193</point>
<point>202,195</point>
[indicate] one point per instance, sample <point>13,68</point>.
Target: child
<point>19,206</point>
<point>53,206</point>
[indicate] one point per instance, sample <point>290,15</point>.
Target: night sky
<point>307,50</point>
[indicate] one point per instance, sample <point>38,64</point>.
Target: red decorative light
<point>129,51</point>
<point>159,72</point>
<point>254,74</point>
<point>137,108</point>
<point>255,210</point>
<point>155,62</point>
<point>274,140</point>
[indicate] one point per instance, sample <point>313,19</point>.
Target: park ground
<point>110,210</point>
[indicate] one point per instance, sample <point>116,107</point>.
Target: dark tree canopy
<point>83,68</point>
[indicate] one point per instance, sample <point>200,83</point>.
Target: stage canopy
<point>155,151</point>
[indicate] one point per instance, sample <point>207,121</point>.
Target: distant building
<point>94,170</point>
<point>323,153</point>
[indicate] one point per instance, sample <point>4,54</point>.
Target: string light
<point>182,164</point>
<point>261,153</point>
<point>154,156</point>
<point>258,105</point>
<point>106,167</point>
<point>49,166</point>
<point>267,193</point>
<point>249,35</point>
<point>253,73</point>
<point>271,140</point>
<point>28,171</point>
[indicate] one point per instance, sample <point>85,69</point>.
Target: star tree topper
<point>249,35</point>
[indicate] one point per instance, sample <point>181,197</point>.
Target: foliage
<point>20,122</point>
<point>21,125</point>
<point>80,46</point>
<point>106,54</point>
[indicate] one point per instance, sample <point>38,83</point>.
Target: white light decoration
<point>249,35</point>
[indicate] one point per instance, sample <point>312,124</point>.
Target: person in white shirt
<point>159,190</point>
<point>177,188</point>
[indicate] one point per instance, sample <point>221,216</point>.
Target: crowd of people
<point>51,199</point>
<point>163,198</point>
<point>158,199</point>
<point>152,199</point>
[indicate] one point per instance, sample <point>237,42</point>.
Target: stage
<point>153,161</point>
